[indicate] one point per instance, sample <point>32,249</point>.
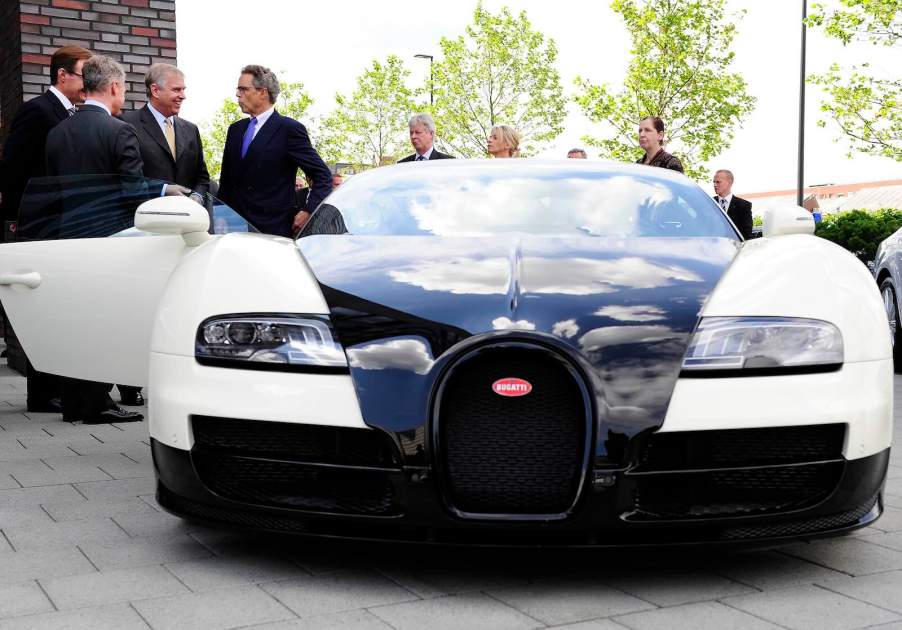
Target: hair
<point>264,78</point>
<point>511,138</point>
<point>158,73</point>
<point>422,119</point>
<point>99,72</point>
<point>65,58</point>
<point>657,122</point>
<point>582,152</point>
<point>729,174</point>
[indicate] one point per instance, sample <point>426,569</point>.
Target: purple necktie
<point>248,136</point>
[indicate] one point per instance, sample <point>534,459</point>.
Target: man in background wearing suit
<point>23,158</point>
<point>261,158</point>
<point>95,142</point>
<point>739,210</point>
<point>422,137</point>
<point>171,148</point>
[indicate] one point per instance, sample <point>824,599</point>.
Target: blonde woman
<point>504,142</point>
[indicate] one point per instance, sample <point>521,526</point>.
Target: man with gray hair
<point>577,154</point>
<point>422,137</point>
<point>94,142</point>
<point>262,156</point>
<point>171,147</point>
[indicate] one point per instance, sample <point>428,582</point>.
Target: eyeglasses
<point>244,89</point>
<point>75,74</point>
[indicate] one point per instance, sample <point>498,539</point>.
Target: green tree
<point>502,72</point>
<point>371,123</point>
<point>293,101</point>
<point>866,108</point>
<point>679,70</point>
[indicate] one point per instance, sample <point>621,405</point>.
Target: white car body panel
<point>92,315</point>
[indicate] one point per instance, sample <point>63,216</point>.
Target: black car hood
<point>623,309</point>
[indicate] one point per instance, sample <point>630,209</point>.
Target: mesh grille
<point>735,492</point>
<point>742,447</point>
<point>507,455</point>
<point>297,442</point>
<point>796,528</point>
<point>300,486</point>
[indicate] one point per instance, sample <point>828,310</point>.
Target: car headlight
<point>266,342</point>
<point>752,346</point>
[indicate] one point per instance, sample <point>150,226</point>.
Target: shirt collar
<point>262,118</point>
<point>91,101</point>
<point>428,153</point>
<point>728,198</point>
<point>161,119</point>
<point>62,98</point>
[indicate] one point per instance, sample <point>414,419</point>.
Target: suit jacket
<point>187,168</point>
<point>740,213</point>
<point>23,152</point>
<point>435,155</point>
<point>93,142</point>
<point>260,186</point>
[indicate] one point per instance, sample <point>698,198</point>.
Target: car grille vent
<point>820,524</point>
<point>736,448</point>
<point>303,467</point>
<point>512,455</point>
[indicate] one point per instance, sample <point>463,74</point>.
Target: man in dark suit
<point>261,158</point>
<point>171,148</point>
<point>422,137</point>
<point>23,158</point>
<point>739,210</point>
<point>95,142</point>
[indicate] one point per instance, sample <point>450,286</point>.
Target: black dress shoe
<point>131,398</point>
<point>51,405</point>
<point>116,414</point>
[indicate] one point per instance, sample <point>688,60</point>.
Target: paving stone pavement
<point>83,544</point>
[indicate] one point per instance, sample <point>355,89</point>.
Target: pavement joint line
<point>91,562</point>
<point>728,605</point>
<point>824,587</point>
<point>46,594</point>
<point>75,487</point>
<point>120,527</point>
<point>96,438</point>
<point>180,581</point>
<point>46,464</point>
<point>8,541</point>
<point>140,616</point>
<point>13,477</point>
<point>396,582</point>
<point>20,444</point>
<point>524,613</point>
<point>732,579</point>
<point>824,566</point>
<point>44,429</point>
<point>279,601</point>
<point>41,505</point>
<point>129,458</point>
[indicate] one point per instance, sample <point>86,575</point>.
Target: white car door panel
<point>84,308</point>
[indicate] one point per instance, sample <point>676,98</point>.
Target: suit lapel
<point>267,131</point>
<point>58,109</point>
<point>152,127</point>
<point>181,137</point>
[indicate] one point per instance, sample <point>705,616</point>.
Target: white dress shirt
<point>262,118</point>
<point>160,118</point>
<point>727,201</point>
<point>62,98</point>
<point>426,155</point>
<point>91,101</point>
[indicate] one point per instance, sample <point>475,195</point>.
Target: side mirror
<point>174,215</point>
<point>787,220</point>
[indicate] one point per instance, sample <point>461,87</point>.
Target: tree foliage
<point>679,70</point>
<point>866,108</point>
<point>370,125</point>
<point>859,231</point>
<point>293,101</point>
<point>502,72</point>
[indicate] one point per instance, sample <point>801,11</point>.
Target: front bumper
<point>422,516</point>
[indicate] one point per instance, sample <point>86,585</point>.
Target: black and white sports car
<point>487,352</point>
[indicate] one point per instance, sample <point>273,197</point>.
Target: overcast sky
<point>326,45</point>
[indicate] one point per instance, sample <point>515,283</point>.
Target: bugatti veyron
<point>484,352</point>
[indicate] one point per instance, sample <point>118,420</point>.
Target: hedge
<point>860,231</point>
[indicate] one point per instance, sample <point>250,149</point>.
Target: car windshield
<point>95,206</point>
<point>487,197</point>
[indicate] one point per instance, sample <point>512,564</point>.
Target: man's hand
<point>300,220</point>
<point>174,190</point>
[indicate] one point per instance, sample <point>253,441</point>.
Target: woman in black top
<point>651,138</point>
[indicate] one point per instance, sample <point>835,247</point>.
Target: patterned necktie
<point>170,136</point>
<point>723,203</point>
<point>248,136</point>
<point>72,110</point>
<point>421,158</point>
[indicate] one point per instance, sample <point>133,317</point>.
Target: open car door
<point>80,297</point>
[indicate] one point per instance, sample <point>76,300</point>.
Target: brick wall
<point>136,33</point>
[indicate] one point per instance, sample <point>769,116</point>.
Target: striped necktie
<point>170,136</point>
<point>72,110</point>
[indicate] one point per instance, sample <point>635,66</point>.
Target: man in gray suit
<point>88,143</point>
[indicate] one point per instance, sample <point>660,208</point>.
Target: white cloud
<point>638,313</point>
<point>506,323</point>
<point>399,354</point>
<point>566,329</point>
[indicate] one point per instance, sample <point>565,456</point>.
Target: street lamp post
<point>801,182</point>
<point>429,57</point>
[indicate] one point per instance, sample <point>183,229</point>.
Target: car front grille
<point>736,472</point>
<point>512,455</point>
<point>303,467</point>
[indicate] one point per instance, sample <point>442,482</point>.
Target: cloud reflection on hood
<point>598,338</point>
<point>637,313</point>
<point>398,354</point>
<point>506,323</point>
